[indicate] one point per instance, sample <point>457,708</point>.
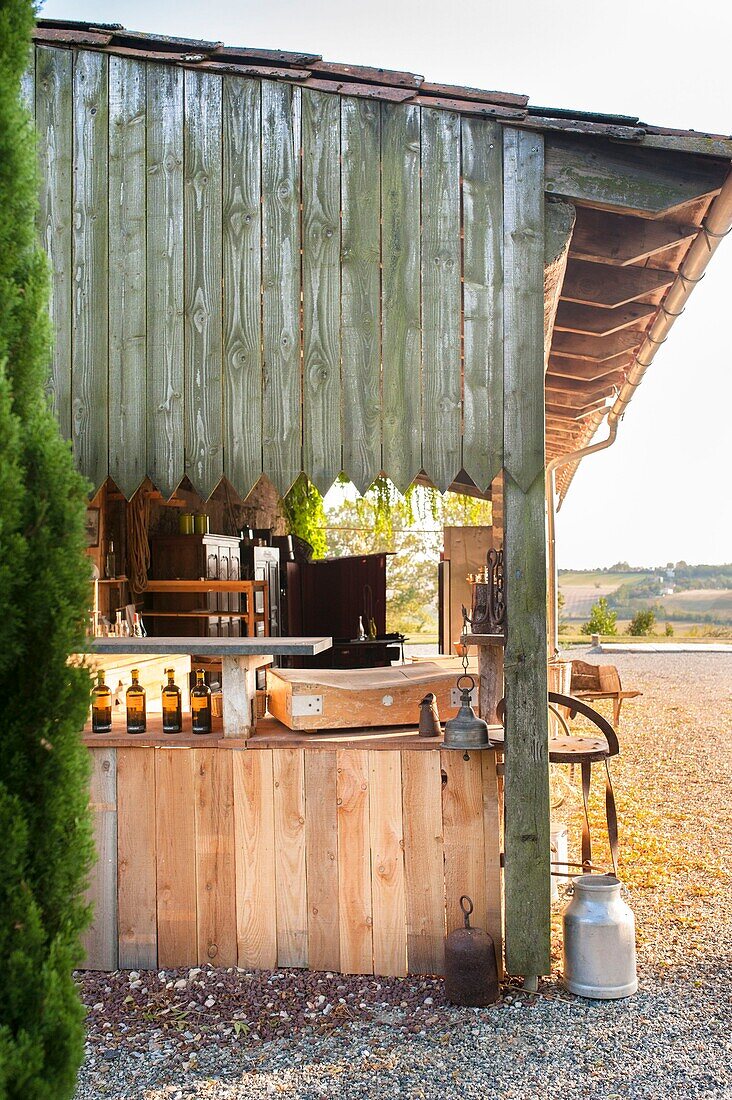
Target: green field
<point>611,580</point>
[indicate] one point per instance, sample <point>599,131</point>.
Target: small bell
<point>471,970</point>
<point>466,731</point>
<point>429,717</point>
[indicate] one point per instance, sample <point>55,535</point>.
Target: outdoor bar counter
<point>260,847</point>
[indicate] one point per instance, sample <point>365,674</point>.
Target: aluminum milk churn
<point>599,940</point>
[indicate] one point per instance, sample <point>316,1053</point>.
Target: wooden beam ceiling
<point>620,240</point>
<point>624,178</point>
<point>586,389</point>
<point>597,349</point>
<point>584,370</point>
<point>594,284</point>
<point>593,321</point>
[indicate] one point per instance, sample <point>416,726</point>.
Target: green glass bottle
<point>172,706</point>
<point>101,706</point>
<point>201,705</point>
<point>136,709</point>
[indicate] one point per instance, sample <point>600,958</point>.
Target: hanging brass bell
<point>466,731</point>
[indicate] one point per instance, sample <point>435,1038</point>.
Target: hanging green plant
<point>305,515</point>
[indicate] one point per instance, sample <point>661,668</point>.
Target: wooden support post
<point>490,681</point>
<point>239,686</point>
<point>527,877</point>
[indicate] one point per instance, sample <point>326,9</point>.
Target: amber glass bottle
<point>101,706</point>
<point>201,705</point>
<point>136,710</point>
<point>172,708</point>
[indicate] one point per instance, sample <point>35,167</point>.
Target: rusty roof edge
<point>380,83</point>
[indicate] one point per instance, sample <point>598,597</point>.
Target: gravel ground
<point>230,1035</point>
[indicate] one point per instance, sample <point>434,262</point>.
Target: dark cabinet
<point>200,614</point>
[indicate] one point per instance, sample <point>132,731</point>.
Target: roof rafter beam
<point>594,284</point>
<point>627,179</point>
<point>595,321</point>
<point>596,349</point>
<point>620,239</point>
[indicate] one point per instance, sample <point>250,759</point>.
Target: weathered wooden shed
<point>263,263</point>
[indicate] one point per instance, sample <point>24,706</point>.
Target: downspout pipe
<point>562,460</point>
<point>715,227</point>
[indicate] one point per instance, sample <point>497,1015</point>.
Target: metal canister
<point>200,523</point>
<point>599,940</point>
<point>185,523</point>
<point>471,972</point>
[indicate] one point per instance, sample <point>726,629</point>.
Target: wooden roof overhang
<point>370,220</point>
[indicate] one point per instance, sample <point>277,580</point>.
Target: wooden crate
<point>343,859</point>
<point>312,699</point>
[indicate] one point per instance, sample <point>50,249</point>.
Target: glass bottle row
<point>135,699</point>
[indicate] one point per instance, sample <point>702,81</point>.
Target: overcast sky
<point>663,491</point>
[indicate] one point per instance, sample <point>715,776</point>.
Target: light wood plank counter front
<point>335,850</point>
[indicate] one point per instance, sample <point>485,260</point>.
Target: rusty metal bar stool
<point>585,751</point>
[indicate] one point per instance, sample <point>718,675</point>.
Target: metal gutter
<point>716,225</point>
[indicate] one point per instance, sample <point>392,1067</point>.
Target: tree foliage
<point>602,620</point>
<point>410,527</point>
<point>305,515</point>
<point>46,847</point>
<point>642,623</point>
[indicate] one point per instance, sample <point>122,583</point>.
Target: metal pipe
<point>716,225</point>
<point>552,593</point>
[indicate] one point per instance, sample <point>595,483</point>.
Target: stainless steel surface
<point>599,940</point>
<point>215,647</point>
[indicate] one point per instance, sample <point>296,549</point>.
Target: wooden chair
<point>585,751</point>
<point>600,682</point>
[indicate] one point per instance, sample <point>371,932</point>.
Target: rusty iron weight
<point>471,971</point>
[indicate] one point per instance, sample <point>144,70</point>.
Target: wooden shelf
<point>257,616</point>
<point>154,734</point>
<point>193,587</point>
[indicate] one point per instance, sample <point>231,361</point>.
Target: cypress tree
<point>45,846</point>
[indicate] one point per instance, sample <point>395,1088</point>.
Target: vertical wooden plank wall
<point>249,277</point>
<point>321,855</point>
<point>351,860</point>
<point>175,857</point>
<point>215,891</point>
<point>127,270</point>
<point>256,923</point>
<point>202,350</point>
<point>321,287</point>
<point>242,274</point>
<point>90,278</point>
<point>281,432</point>
<point>441,302</point>
<point>400,293</point>
<point>387,864</point>
<point>136,844</point>
<point>527,872</point>
<point>482,164</point>
<point>100,940</point>
<point>53,93</point>
<point>164,246</point>
<point>361,289</point>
